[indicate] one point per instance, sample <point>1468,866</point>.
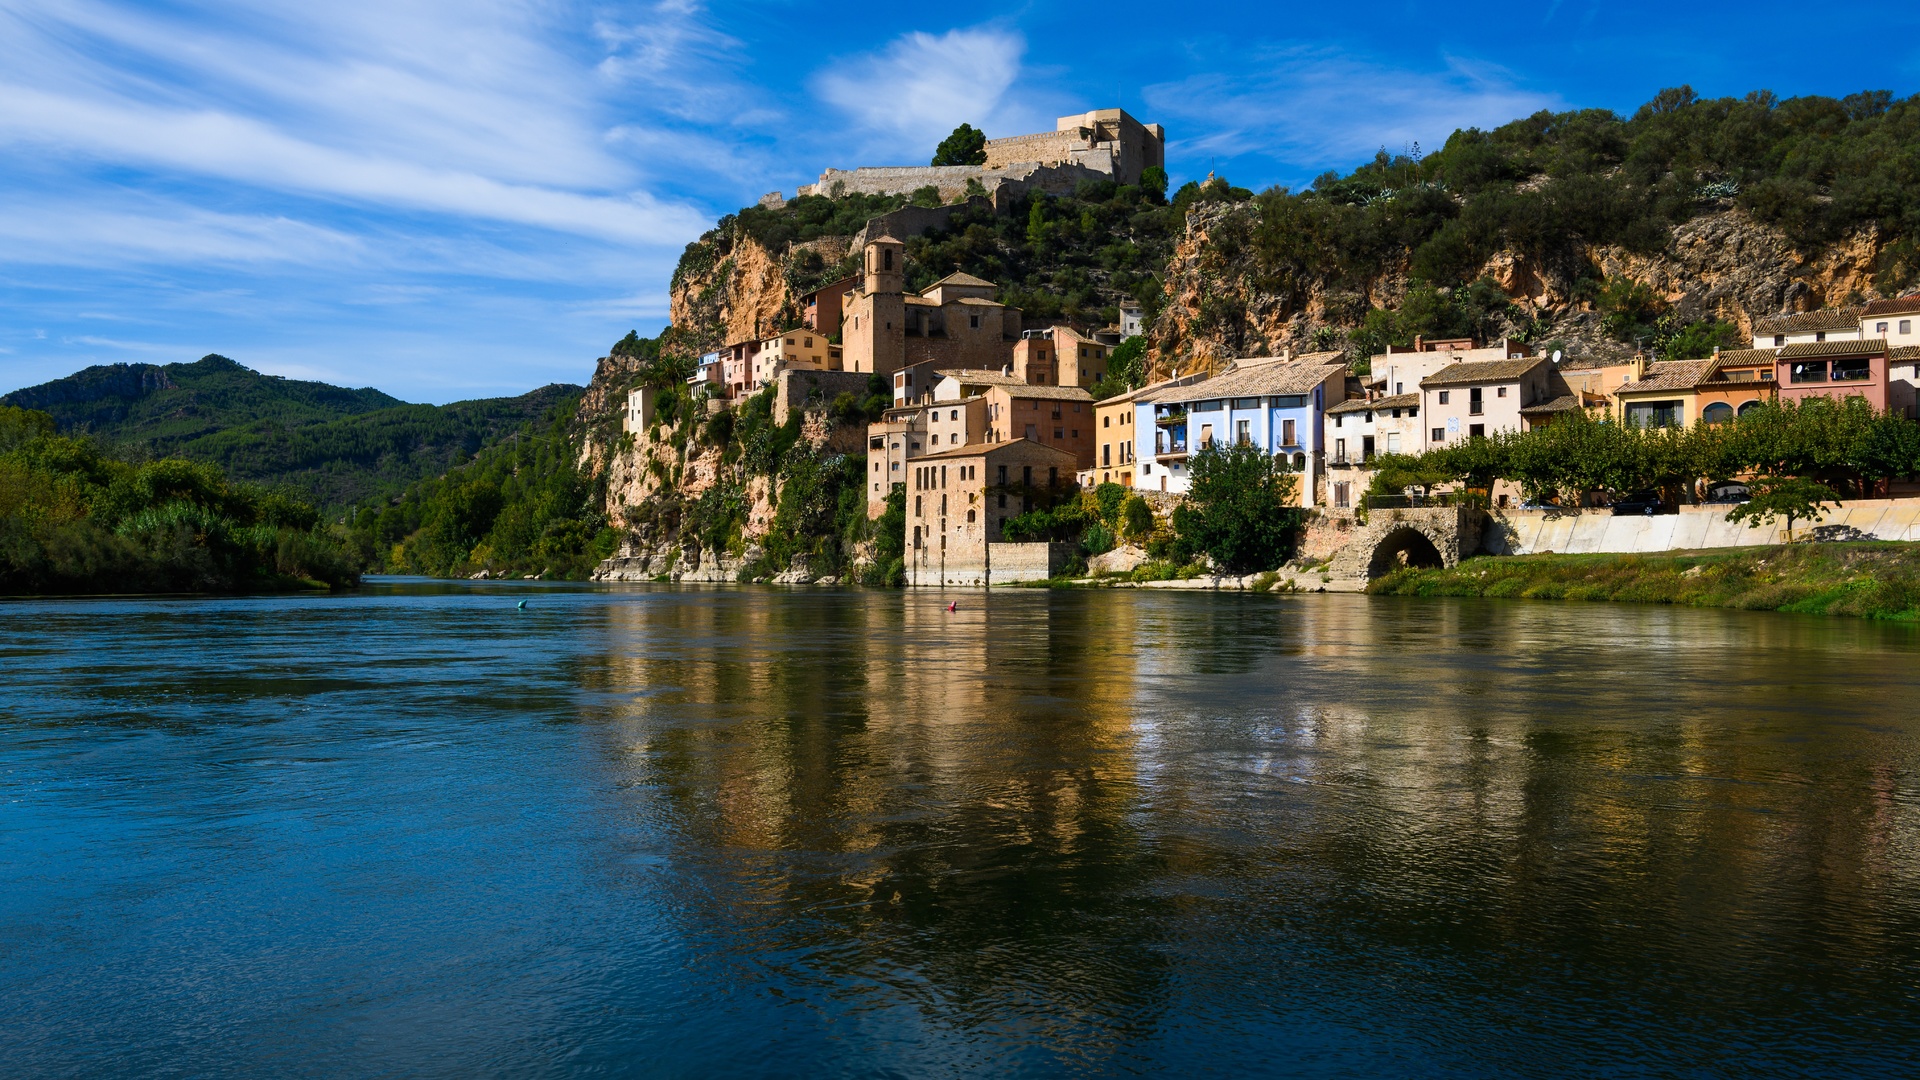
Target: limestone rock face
<point>1722,264</point>
<point>1121,560</point>
<point>729,287</point>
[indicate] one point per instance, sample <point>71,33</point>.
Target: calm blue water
<point>418,832</point>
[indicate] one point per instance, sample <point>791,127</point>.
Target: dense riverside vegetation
<point>1868,580</point>
<point>1813,166</point>
<point>75,520</point>
<point>1846,447</point>
<point>521,506</point>
<point>338,446</point>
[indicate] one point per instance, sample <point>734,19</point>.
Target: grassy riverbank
<point>1871,580</point>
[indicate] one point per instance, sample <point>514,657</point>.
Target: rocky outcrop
<point>1722,264</point>
<point>729,287</point>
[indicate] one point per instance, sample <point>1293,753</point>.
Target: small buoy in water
<point>522,605</point>
<point>955,606</point>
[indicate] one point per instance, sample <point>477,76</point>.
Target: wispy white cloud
<point>1312,108</point>
<point>458,109</point>
<point>921,86</point>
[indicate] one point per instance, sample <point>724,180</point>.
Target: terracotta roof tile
<point>1737,357</point>
<point>1814,349</point>
<point>1563,403</point>
<point>1398,401</point>
<point>980,376</point>
<point>1062,393</point>
<point>1905,305</point>
<point>1845,318</point>
<point>1277,379</point>
<point>1670,375</point>
<point>1483,371</point>
<point>1905,354</point>
<point>962,279</point>
<point>983,449</point>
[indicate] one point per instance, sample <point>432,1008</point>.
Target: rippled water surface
<point>419,831</point>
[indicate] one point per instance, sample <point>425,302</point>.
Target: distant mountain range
<point>342,447</point>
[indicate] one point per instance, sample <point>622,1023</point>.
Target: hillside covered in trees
<point>337,446</point>
<point>1597,229</point>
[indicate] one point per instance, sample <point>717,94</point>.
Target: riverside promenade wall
<point>1535,532</point>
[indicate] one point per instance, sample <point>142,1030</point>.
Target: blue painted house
<point>1276,404</point>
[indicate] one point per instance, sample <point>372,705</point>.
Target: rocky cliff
<point>1719,265</point>
<point>730,287</point>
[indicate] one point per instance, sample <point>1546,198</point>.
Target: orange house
<point>1741,380</point>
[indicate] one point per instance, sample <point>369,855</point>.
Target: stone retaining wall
<point>1530,532</point>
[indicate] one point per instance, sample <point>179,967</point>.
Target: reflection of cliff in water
<point>1062,812</point>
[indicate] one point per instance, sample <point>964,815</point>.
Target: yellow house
<point>1113,440</point>
<point>1663,394</point>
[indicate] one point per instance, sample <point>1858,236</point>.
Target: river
<point>421,831</point>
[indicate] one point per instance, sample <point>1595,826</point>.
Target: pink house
<point>1841,370</point>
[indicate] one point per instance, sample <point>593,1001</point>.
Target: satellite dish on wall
<point>1556,356</point>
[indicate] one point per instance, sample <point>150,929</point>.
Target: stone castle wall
<point>951,180</point>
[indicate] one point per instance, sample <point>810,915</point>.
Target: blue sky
<point>459,199</point>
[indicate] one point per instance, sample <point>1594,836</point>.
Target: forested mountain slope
<point>1672,228</point>
<point>339,446</point>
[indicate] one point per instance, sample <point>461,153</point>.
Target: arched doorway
<point>1405,546</point>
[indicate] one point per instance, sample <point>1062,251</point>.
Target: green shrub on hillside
<point>73,520</point>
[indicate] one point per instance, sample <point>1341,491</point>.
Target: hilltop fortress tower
<point>1103,144</point>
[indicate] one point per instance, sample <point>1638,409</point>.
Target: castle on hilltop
<point>1104,144</point>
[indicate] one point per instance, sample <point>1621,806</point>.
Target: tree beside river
<point>75,520</point>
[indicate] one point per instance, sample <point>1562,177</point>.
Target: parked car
<point>1727,492</point>
<point>1640,502</point>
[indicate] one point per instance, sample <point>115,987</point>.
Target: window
<point>1412,410</point>
<point>1026,476</point>
<point>1106,421</point>
<point>1880,328</point>
<point>1340,450</point>
<point>1779,339</point>
<point>1807,371</point>
<point>1106,455</point>
<point>1246,403</point>
<point>1286,433</point>
<point>1366,448</point>
<point>1819,335</point>
<point>1439,434</point>
<point>1654,414</point>
<point>1291,401</point>
<point>1393,442</point>
<point>1033,432</point>
<point>973,321</point>
<point>1338,421</point>
<point>1243,432</point>
<point>1476,431</point>
<point>918,510</point>
<point>1058,434</point>
<point>888,253</point>
<point>1502,392</point>
<point>1852,369</point>
<point>1443,397</point>
<point>1341,494</point>
<point>1207,406</point>
<point>1474,407</point>
<point>1717,413</point>
<point>970,514</point>
<point>1906,326</point>
<point>1206,435</point>
<point>1399,388</point>
<point>953,414</point>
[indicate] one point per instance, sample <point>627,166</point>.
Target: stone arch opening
<point>1405,546</point>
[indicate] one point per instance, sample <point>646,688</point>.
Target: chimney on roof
<point>1419,343</point>
<point>1286,353</point>
<point>1637,368</point>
